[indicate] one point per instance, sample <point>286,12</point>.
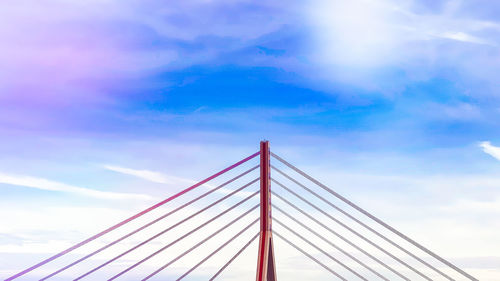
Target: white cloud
<point>45,184</point>
<point>157,177</point>
<point>490,149</point>
<point>489,207</point>
<point>464,37</point>
<point>360,32</point>
<point>149,175</point>
<point>357,41</point>
<point>353,32</point>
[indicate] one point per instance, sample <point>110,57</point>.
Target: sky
<point>108,106</point>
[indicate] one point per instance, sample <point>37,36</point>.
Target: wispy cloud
<point>158,177</point>
<point>149,175</point>
<point>45,184</point>
<point>490,149</point>
<point>464,37</point>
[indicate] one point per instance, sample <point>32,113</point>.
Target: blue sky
<point>388,101</point>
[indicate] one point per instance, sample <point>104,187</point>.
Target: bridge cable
<point>329,242</point>
<point>200,243</point>
<point>340,236</point>
<point>309,256</point>
<point>363,224</point>
<point>172,243</point>
<point>319,249</point>
<point>233,258</point>
<point>379,221</point>
<point>76,246</point>
<point>353,231</point>
<point>213,253</point>
<point>169,228</point>
<point>148,224</point>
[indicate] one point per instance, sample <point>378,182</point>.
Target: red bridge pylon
<point>266,269</point>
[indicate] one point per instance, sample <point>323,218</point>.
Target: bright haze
<point>108,106</point>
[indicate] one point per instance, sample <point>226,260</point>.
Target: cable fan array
<point>360,249</point>
<point>203,234</point>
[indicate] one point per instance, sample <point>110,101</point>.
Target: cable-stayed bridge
<point>331,232</point>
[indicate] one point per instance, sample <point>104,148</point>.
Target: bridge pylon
<point>266,269</point>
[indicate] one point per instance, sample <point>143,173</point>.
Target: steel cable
<point>309,256</point>
<point>234,257</point>
<point>353,231</point>
<point>379,221</point>
<point>363,224</point>
<point>319,249</point>
<point>341,237</point>
<point>72,248</point>
<point>168,229</point>
<point>213,253</point>
<point>170,244</point>
<point>197,245</point>
<point>148,224</point>
<point>330,243</point>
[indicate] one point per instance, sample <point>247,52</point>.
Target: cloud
<point>475,206</point>
<point>369,43</point>
<point>167,179</point>
<point>464,37</point>
<point>44,184</point>
<point>73,58</point>
<point>490,149</point>
<point>74,41</point>
<point>149,175</point>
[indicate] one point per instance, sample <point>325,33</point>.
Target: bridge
<point>303,214</point>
